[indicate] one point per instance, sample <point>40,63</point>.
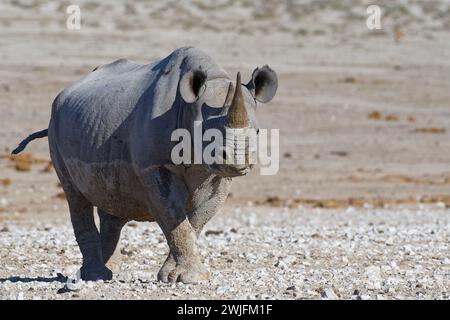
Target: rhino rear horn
<point>229,96</point>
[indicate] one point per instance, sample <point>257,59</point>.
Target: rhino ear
<point>264,84</point>
<point>192,85</point>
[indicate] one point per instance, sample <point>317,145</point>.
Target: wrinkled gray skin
<point>109,138</point>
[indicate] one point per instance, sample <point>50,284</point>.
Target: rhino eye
<point>216,93</point>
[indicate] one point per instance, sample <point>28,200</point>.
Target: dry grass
<point>24,161</point>
<point>375,115</point>
<point>430,130</point>
<point>61,195</point>
<point>48,168</point>
<point>6,182</point>
<point>391,117</point>
<point>352,202</point>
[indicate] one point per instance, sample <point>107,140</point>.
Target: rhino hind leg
<point>110,228</point>
<point>87,236</point>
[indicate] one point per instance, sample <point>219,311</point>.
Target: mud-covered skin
<point>110,143</point>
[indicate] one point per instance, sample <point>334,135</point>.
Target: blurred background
<point>363,114</point>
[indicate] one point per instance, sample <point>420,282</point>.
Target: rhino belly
<point>111,186</point>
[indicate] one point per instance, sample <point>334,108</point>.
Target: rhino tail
<point>35,135</point>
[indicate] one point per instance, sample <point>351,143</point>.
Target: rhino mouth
<point>242,171</point>
<point>230,171</point>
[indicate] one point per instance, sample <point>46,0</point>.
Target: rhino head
<point>218,103</point>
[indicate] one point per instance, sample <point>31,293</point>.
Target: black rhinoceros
<point>110,142</point>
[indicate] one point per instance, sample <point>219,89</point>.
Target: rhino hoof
<point>94,274</point>
<point>188,274</point>
<point>166,269</point>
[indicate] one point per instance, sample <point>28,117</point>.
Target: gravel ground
<point>253,253</point>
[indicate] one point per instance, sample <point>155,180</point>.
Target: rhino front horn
<point>237,115</point>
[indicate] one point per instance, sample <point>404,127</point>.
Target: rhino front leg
<point>87,236</point>
<point>167,267</point>
<point>188,268</point>
<point>207,194</point>
<point>170,263</point>
<point>167,196</point>
<point>110,228</point>
<point>206,199</point>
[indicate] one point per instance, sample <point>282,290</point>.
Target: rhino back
<point>91,118</point>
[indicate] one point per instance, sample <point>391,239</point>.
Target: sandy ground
<point>363,118</point>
